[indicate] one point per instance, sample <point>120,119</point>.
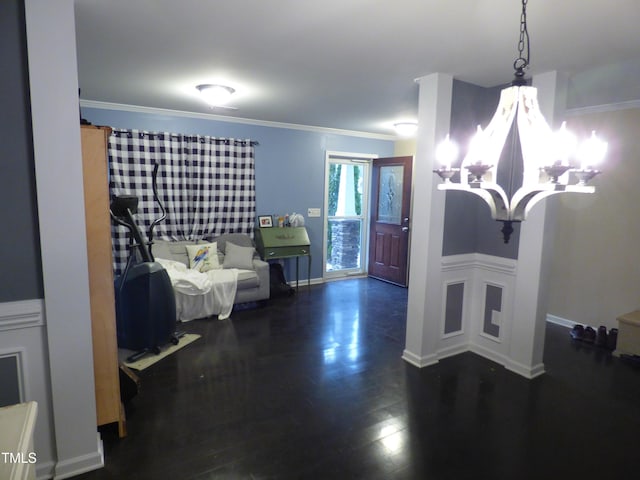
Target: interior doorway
<point>346,209</point>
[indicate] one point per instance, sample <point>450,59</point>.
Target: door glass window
<point>390,194</point>
<point>345,227</point>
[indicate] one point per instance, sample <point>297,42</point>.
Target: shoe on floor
<point>589,335</point>
<point>601,336</point>
<point>577,332</point>
<point>612,339</point>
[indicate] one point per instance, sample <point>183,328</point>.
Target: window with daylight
<point>346,202</point>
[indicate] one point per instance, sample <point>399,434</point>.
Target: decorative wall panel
<point>492,310</point>
<point>10,380</point>
<point>453,308</point>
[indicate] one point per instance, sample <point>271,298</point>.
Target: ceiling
<point>344,64</point>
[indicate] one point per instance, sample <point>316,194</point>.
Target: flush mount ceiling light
<point>405,129</point>
<point>539,163</point>
<point>216,95</point>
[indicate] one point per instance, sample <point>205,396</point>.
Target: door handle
<point>405,229</point>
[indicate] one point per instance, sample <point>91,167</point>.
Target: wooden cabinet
<point>282,242</point>
<point>288,242</point>
<point>628,341</point>
<point>109,406</point>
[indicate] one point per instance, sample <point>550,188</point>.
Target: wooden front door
<point>389,224</point>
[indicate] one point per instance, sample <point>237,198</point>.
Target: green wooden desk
<point>289,242</point>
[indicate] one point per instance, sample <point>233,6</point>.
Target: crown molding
<point>607,107</point>
<point>222,118</point>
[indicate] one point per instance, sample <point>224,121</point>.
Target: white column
<point>424,309</point>
<point>526,347</point>
<point>51,46</point>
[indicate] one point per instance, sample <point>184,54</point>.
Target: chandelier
<point>551,161</point>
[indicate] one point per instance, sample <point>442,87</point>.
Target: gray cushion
<point>176,251</point>
<point>237,256</point>
<point>239,239</point>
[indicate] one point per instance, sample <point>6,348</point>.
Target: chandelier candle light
<point>550,160</point>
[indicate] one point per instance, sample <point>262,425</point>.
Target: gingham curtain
<point>207,185</point>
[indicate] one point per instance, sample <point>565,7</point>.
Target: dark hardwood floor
<point>314,387</point>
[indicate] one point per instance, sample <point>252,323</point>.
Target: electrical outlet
<point>313,212</point>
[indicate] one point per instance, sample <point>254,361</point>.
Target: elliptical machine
<point>145,302</point>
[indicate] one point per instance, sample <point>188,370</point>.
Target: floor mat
<point>152,358</point>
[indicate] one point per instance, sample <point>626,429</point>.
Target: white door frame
<point>353,159</point>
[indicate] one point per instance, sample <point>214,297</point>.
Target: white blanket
<point>200,295</point>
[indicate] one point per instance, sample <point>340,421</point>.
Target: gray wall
<point>468,227</point>
<point>21,277</point>
<point>605,85</point>
<point>595,272</point>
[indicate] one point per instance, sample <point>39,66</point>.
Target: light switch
<point>313,212</point>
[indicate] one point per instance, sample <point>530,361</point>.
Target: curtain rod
<point>201,138</point>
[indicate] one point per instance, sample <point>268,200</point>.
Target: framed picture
<point>265,221</point>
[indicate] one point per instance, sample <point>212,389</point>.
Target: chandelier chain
<point>522,61</point>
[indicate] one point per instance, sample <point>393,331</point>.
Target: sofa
<point>235,254</point>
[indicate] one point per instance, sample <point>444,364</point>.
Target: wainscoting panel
<point>10,379</point>
<point>24,371</point>
<point>492,311</point>
<point>478,305</point>
<point>457,276</point>
<point>495,280</point>
<point>454,306</point>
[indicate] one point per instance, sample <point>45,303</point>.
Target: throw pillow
<point>203,257</point>
<point>236,256</point>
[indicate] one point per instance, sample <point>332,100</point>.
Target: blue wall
<point>290,163</point>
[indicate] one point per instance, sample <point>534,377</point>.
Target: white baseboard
<point>44,470</point>
<point>418,361</point>
<point>454,350</point>
<point>526,372</point>
<point>76,466</point>
<point>488,354</point>
<point>511,365</point>
<point>47,470</point>
<point>560,321</point>
<point>515,367</point>
<point>304,282</point>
